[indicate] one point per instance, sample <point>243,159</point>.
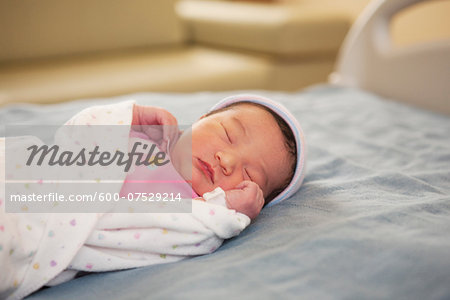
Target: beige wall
<point>426,21</point>
<point>43,28</point>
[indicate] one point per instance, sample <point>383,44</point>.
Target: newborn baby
<point>244,148</point>
<point>247,152</point>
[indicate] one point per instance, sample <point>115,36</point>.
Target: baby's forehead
<point>240,109</point>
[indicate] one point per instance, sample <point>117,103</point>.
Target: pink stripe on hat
<point>280,110</point>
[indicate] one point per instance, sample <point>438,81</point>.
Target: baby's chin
<point>197,188</point>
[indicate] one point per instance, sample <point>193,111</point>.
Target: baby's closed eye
<point>247,175</point>
<point>226,133</point>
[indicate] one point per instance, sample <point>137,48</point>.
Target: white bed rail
<point>418,74</point>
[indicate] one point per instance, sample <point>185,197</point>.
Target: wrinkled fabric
<point>38,249</point>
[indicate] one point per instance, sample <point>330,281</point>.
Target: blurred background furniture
<point>369,60</point>
<point>53,51</point>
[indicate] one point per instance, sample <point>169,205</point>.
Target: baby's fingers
<point>169,123</point>
<point>170,133</point>
<point>244,184</point>
<point>154,133</point>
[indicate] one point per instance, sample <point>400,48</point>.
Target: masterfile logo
<point>91,169</point>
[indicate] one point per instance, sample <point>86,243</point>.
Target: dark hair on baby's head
<point>289,142</point>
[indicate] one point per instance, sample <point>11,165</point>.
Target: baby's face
<point>241,143</point>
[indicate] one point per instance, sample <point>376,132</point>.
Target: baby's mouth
<point>207,169</point>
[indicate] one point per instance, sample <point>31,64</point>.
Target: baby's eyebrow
<point>240,125</point>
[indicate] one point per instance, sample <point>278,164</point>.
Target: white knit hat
<point>280,110</point>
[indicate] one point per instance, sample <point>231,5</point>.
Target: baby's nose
<point>227,162</point>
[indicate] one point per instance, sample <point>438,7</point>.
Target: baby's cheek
<point>202,185</point>
<point>228,182</point>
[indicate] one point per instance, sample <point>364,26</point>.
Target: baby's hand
<point>246,198</point>
<point>150,115</point>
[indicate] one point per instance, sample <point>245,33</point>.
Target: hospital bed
<point>372,219</point>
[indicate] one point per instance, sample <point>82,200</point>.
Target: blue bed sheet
<point>372,219</point>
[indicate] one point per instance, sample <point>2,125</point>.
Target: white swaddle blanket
<point>38,249</point>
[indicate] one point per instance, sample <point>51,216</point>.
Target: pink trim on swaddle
<point>280,110</point>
